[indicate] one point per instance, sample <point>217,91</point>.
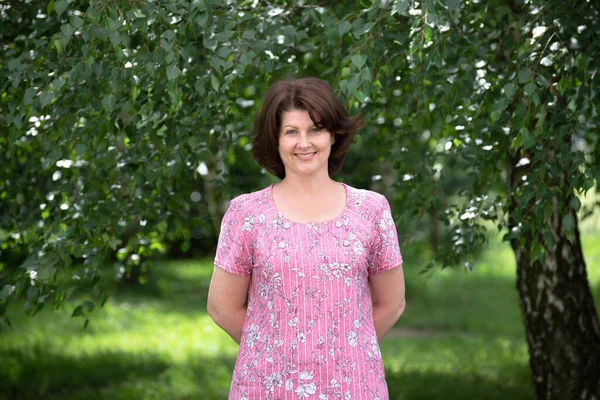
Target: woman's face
<point>303,148</point>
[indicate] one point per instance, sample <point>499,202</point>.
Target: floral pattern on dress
<point>308,332</point>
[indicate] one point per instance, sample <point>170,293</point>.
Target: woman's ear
<point>332,139</point>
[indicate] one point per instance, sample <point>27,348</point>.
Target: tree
<point>125,128</point>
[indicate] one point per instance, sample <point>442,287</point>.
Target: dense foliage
<point>125,124</point>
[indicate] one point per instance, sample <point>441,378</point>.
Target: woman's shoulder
<point>366,198</point>
<point>251,201</point>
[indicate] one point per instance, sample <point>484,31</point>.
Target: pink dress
<point>308,332</point>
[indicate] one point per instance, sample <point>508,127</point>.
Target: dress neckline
<point>337,217</point>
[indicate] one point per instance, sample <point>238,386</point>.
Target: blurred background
<point>125,130</point>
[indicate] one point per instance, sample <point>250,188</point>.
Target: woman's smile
<point>305,156</point>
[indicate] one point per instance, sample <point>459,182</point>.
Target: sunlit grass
<point>460,337</point>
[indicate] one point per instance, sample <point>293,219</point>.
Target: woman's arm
<point>227,298</point>
<point>387,294</point>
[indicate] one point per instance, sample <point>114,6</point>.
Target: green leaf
<point>76,22</point>
<point>60,6</point>
<point>530,88</point>
<point>108,102</point>
<point>77,312</point>
<point>510,89</point>
<point>248,34</point>
<point>575,203</point>
<point>528,138</point>
<point>29,94</point>
<point>453,4</point>
<point>358,61</point>
<point>525,75</point>
<point>401,6</point>
<point>215,83</point>
<point>173,72</point>
<point>46,97</point>
<point>353,83</point>
<point>568,223</point>
<point>115,38</point>
<point>6,291</point>
<point>67,30</point>
<point>562,86</point>
<point>247,57</point>
<point>114,243</point>
<point>344,27</point>
<point>58,83</point>
<point>428,32</point>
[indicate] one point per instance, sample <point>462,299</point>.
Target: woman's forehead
<point>297,118</point>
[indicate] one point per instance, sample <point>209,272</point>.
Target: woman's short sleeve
<point>385,251</point>
<point>234,247</point>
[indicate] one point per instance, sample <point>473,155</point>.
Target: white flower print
<point>352,338</point>
<point>248,223</point>
<point>306,375</point>
<point>263,290</point>
<point>347,395</point>
<point>357,323</point>
<point>302,337</point>
<point>306,389</point>
<point>323,397</point>
<point>334,383</point>
<point>289,385</point>
<point>278,223</point>
<point>272,381</point>
<point>252,335</point>
<point>358,248</point>
<point>294,322</point>
<point>387,217</point>
<point>348,281</point>
<point>262,218</point>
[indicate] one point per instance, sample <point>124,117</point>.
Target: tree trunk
<point>558,310</point>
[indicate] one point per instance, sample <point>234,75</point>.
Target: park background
<point>125,129</point>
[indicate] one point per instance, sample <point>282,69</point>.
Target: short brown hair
<point>306,94</point>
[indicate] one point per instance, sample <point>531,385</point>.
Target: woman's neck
<point>307,185</point>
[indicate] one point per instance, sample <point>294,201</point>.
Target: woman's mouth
<point>305,156</point>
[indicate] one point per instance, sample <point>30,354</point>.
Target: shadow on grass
<point>433,385</point>
<point>39,374</point>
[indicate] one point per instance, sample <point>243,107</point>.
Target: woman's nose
<point>303,140</point>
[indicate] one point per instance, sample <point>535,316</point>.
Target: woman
<point>308,275</point>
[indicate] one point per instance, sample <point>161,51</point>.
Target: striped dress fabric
<point>308,332</point>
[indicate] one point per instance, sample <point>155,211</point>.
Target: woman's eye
<point>290,132</point>
<point>316,130</point>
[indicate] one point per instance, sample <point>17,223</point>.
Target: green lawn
<point>461,337</point>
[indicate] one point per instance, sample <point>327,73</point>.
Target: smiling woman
<point>308,275</point>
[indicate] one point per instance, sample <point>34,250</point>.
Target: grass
<point>461,337</point>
